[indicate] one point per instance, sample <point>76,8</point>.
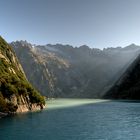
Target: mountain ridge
<point>25,42</point>
<point>65,71</point>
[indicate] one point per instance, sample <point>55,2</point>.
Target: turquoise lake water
<point>75,119</point>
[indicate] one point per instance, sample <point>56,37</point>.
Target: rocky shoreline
<point>34,109</point>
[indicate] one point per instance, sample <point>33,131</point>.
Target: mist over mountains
<point>128,86</point>
<point>64,71</point>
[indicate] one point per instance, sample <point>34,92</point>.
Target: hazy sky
<point>97,23</point>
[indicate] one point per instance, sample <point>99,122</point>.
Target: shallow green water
<point>66,103</point>
<point>76,119</point>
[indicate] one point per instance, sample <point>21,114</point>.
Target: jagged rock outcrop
<point>64,71</point>
<point>16,93</point>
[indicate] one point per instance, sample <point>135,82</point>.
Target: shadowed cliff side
<point>128,86</point>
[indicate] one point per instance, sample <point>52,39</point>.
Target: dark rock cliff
<point>128,86</point>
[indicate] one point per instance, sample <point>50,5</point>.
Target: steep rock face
<point>16,93</point>
<point>128,86</point>
<point>64,71</point>
<point>24,104</point>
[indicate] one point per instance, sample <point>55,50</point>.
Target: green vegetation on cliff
<point>13,81</point>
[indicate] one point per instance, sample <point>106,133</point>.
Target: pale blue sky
<point>97,23</point>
